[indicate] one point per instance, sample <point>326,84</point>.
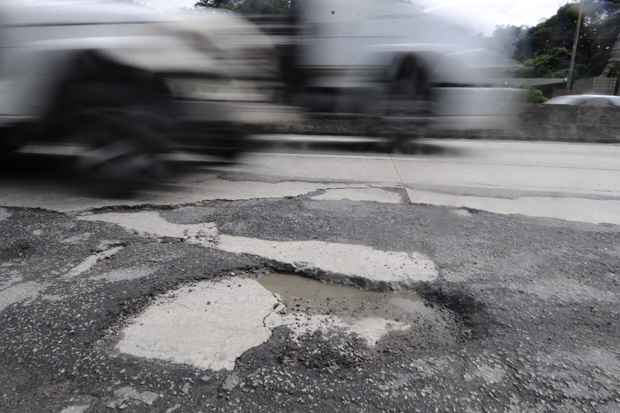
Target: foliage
<point>544,49</point>
<point>535,96</point>
<point>550,63</point>
<point>215,4</point>
<point>280,7</point>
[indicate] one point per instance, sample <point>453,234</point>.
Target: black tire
<point>7,149</point>
<point>123,149</point>
<point>225,141</point>
<point>234,143</point>
<point>12,139</point>
<point>408,104</point>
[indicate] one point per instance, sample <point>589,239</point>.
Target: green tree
<point>279,7</point>
<point>215,3</point>
<point>542,48</point>
<point>549,63</point>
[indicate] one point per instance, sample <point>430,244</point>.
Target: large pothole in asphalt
<point>211,324</point>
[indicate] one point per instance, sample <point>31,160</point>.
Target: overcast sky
<point>490,13</point>
<point>482,14</point>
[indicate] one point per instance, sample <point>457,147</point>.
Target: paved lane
<point>507,167</point>
<point>572,181</point>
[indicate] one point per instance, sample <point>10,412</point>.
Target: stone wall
<point>568,123</point>
<point>535,122</point>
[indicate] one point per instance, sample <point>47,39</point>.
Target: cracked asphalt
<point>523,310</point>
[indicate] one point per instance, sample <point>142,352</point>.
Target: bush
<point>535,96</point>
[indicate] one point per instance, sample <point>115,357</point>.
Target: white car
<point>586,100</point>
<point>123,81</point>
<point>396,60</point>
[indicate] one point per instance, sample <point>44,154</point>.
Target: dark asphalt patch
<point>473,319</point>
<point>17,249</point>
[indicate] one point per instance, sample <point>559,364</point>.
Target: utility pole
<point>571,70</point>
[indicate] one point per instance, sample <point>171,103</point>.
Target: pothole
<point>310,306</point>
<point>211,324</point>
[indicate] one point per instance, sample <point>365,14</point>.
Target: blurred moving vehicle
<point>392,59</point>
<point>586,100</point>
<point>124,83</point>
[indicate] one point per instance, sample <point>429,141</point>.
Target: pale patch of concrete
<point>208,325</point>
<point>126,274</point>
<point>346,259</point>
<point>367,194</point>
<point>20,293</point>
<point>76,239</point>
<point>151,223</point>
<point>91,261</point>
<point>4,214</point>
<point>211,324</point>
<point>129,394</point>
<point>595,211</point>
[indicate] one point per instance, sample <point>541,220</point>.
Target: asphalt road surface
<point>571,181</point>
<point>463,276</point>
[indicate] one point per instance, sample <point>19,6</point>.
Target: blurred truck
<point>393,60</point>
<point>125,84</point>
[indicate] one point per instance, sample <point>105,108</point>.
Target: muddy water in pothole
<point>227,317</point>
<point>312,297</point>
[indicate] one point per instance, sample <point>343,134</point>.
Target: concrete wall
<point>568,123</point>
<point>535,122</point>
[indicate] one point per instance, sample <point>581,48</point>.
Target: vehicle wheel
<point>9,140</point>
<point>123,149</point>
<point>228,141</point>
<point>7,149</point>
<point>408,102</point>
